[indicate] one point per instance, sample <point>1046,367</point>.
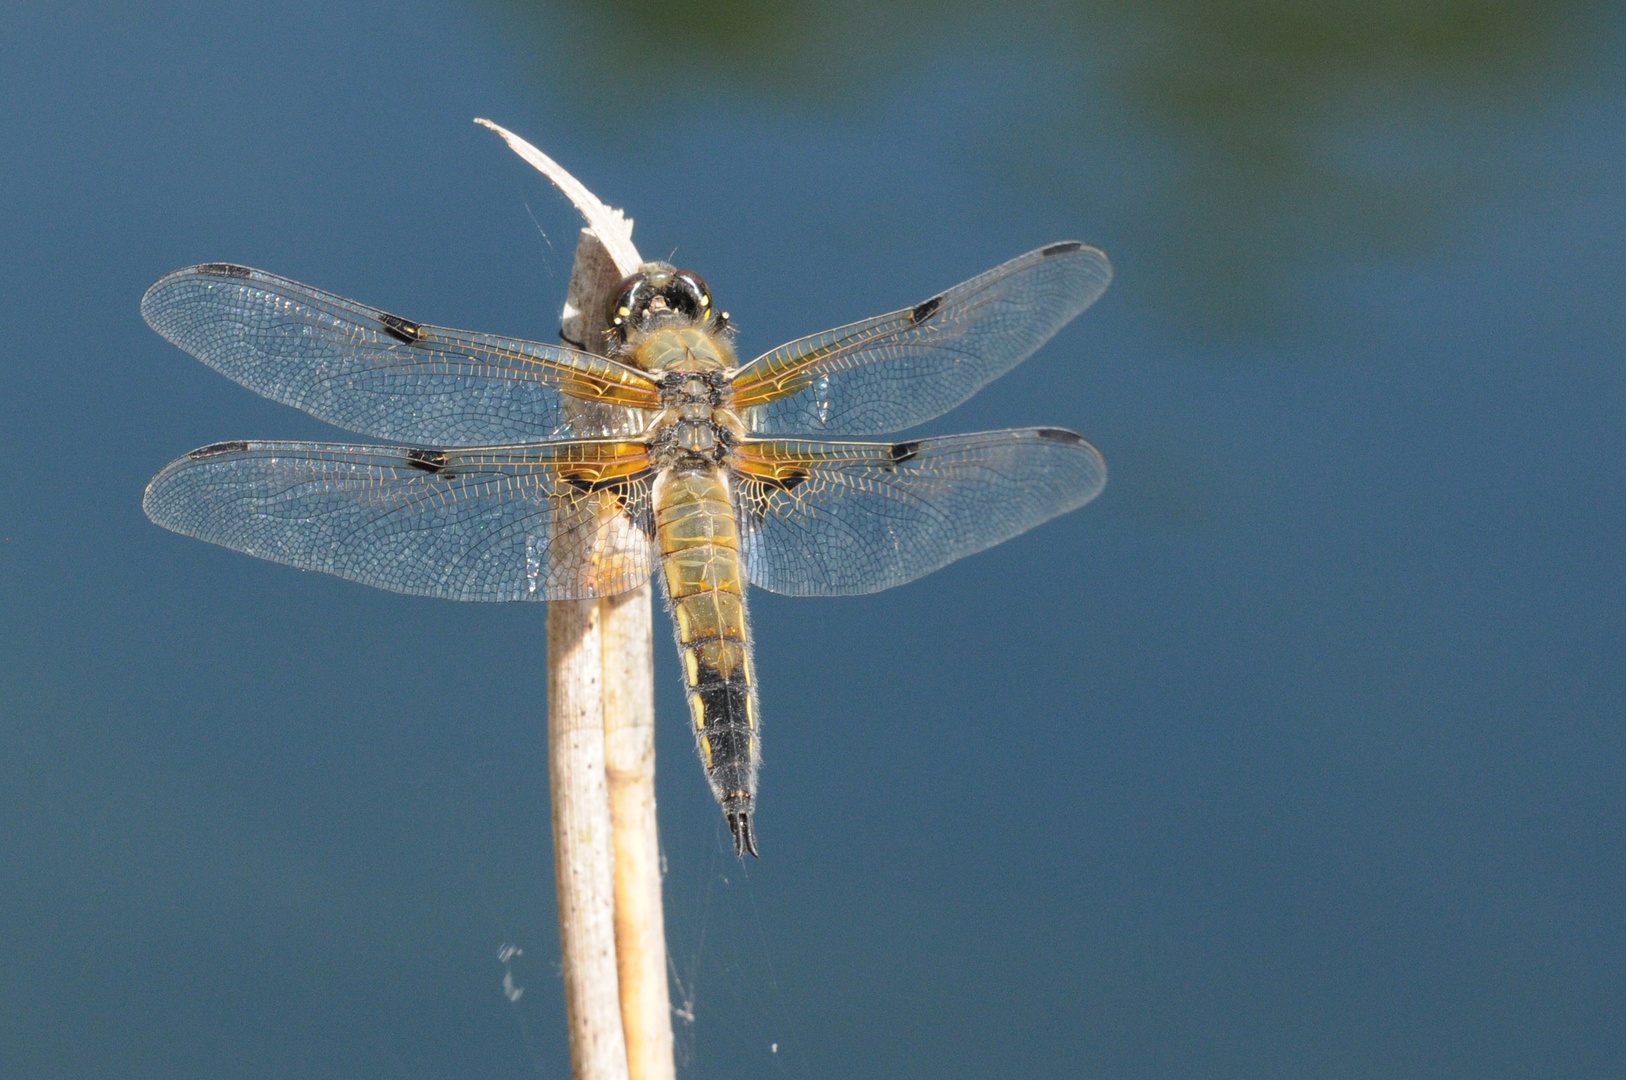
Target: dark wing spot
<point>225,269</point>
<point>402,330</point>
<point>1061,435</point>
<point>905,451</point>
<point>926,309</point>
<point>236,446</point>
<point>631,496</point>
<point>1060,249</point>
<point>588,484</point>
<point>430,461</point>
<point>794,478</point>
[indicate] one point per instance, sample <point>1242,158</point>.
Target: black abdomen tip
<point>739,823</point>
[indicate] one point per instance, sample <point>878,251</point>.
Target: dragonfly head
<point>656,293</point>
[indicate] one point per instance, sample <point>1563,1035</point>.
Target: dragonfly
<point>520,470</point>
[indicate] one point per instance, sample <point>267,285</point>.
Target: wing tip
<point>1089,252</point>
<point>1096,464</point>
<point>150,498</point>
<point>218,270</point>
<point>1065,437</point>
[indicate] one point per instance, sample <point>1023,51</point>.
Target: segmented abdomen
<point>705,580</point>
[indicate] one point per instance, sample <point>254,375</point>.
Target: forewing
<point>381,375</point>
<point>836,519</point>
<point>559,521</point>
<point>895,371</point>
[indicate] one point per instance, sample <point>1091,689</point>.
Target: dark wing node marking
<point>430,461</point>
<point>376,373</point>
<point>403,330</point>
<point>923,311</point>
<point>898,370</point>
<point>868,516</point>
<point>485,523</point>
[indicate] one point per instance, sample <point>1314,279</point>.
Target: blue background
<point>1299,753</point>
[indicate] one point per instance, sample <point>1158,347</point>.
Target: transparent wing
<point>384,376</point>
<point>559,521</point>
<point>895,371</point>
<point>835,519</point>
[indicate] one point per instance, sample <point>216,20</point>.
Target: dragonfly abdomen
<point>704,579</point>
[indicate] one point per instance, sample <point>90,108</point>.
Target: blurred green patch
<point>1251,138</point>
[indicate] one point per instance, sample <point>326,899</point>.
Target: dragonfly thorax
<point>696,427</point>
<point>673,345</point>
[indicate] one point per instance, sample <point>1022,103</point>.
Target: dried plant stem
<point>601,732</point>
<point>629,753</point>
<point>582,848</point>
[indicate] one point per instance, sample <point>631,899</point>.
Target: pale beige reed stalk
<point>601,746</point>
<point>601,750</point>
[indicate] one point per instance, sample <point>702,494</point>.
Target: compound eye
<point>627,302</point>
<point>689,293</point>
